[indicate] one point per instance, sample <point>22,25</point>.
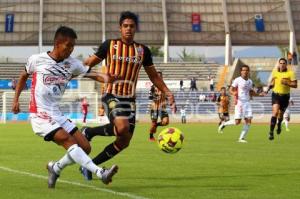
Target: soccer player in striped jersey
<point>51,72</point>
<point>158,109</point>
<point>223,107</point>
<point>123,57</point>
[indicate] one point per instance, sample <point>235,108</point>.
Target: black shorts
<point>117,106</point>
<point>281,99</point>
<point>154,114</point>
<point>224,116</point>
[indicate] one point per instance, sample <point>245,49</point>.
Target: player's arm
<point>20,85</point>
<point>287,82</point>
<point>233,91</point>
<point>101,77</point>
<point>92,61</point>
<point>160,84</point>
<point>254,93</point>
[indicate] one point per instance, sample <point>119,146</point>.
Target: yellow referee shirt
<point>278,76</point>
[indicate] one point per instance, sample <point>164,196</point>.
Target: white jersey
<point>49,81</point>
<point>182,112</point>
<point>243,87</point>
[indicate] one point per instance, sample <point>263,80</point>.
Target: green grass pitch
<point>209,166</point>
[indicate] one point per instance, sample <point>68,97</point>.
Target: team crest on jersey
<point>140,51</point>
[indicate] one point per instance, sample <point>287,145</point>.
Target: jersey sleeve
<point>235,83</point>
<point>293,76</point>
<point>30,65</point>
<point>147,57</point>
<point>102,50</point>
<point>79,68</point>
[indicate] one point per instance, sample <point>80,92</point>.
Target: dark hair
<point>245,66</point>
<point>223,88</point>
<point>65,31</point>
<point>128,15</point>
<point>283,60</point>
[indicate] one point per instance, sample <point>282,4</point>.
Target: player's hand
<point>111,78</point>
<point>172,103</point>
<point>262,94</point>
<point>285,81</point>
<point>15,107</point>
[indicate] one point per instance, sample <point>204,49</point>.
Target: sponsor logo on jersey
<point>51,79</point>
<point>133,59</point>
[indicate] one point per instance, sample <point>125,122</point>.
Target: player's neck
<point>55,56</point>
<point>127,41</point>
<point>245,78</point>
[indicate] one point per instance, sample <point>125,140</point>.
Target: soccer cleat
<point>221,126</point>
<point>271,136</point>
<point>242,141</point>
<point>107,174</point>
<point>82,130</point>
<point>86,173</point>
<point>278,130</point>
<point>152,139</point>
<point>52,176</point>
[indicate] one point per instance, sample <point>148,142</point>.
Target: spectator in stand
<point>289,58</point>
<point>181,85</point>
<point>193,84</point>
<point>13,83</point>
<point>84,108</point>
<point>211,83</point>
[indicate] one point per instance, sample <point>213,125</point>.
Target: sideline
<point>128,195</point>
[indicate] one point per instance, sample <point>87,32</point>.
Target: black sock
<point>109,152</point>
<point>151,135</point>
<point>279,123</point>
<point>158,124</point>
<point>273,124</point>
<point>106,130</point>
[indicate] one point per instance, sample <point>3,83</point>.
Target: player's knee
<point>164,123</point>
<point>123,141</point>
<point>122,128</point>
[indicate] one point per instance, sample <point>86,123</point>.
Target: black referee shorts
<point>281,99</point>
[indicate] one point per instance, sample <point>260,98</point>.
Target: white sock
<point>62,163</point>
<point>81,158</point>
<point>286,123</point>
<point>244,131</point>
<point>229,122</point>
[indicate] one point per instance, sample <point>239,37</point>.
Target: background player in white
<point>287,115</point>
<point>51,72</point>
<point>242,90</point>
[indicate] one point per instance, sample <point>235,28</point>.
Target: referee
<point>282,80</point>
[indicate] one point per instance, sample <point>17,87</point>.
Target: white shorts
<point>43,125</point>
<point>287,114</point>
<point>243,110</point>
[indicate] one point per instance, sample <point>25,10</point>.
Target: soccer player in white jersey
<point>51,72</point>
<point>287,115</point>
<point>242,90</point>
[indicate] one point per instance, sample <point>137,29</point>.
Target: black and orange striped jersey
<point>124,60</point>
<point>223,101</point>
<point>159,99</point>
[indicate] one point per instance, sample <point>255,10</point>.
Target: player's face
<point>282,65</point>
<point>65,47</point>
<point>223,91</point>
<point>127,30</point>
<point>245,73</point>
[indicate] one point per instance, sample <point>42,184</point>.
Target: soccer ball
<point>170,140</point>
